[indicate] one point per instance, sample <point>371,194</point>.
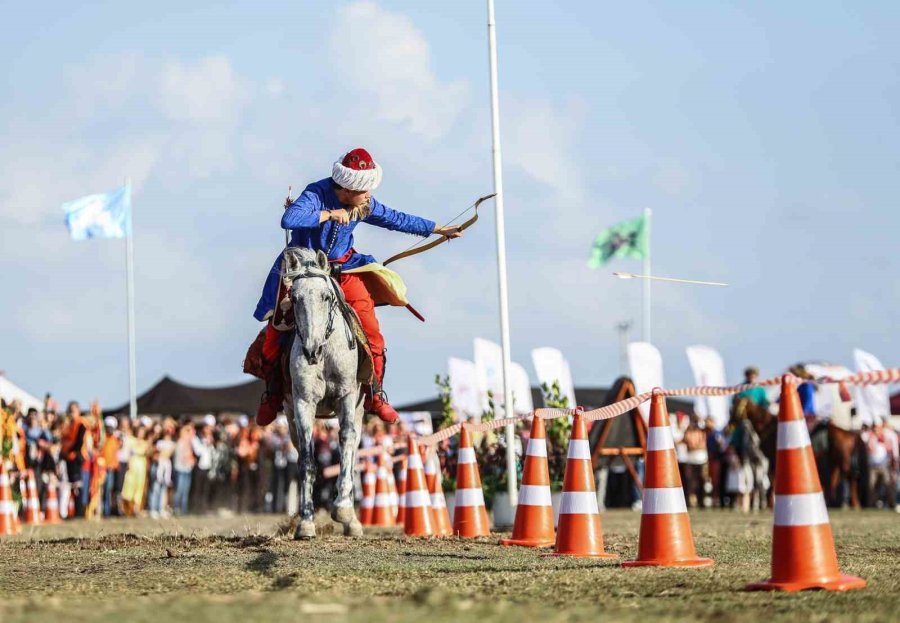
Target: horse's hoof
<point>344,515</point>
<point>306,530</point>
<point>353,529</point>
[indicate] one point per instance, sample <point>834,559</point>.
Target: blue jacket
<point>302,218</point>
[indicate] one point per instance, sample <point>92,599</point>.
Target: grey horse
<point>323,367</point>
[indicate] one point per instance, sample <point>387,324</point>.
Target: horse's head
<point>313,297</point>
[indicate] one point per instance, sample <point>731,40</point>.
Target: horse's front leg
<point>350,414</point>
<point>304,415</point>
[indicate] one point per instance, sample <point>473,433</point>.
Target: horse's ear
<point>322,259</point>
<point>289,261</point>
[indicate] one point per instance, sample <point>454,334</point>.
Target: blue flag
<point>106,215</point>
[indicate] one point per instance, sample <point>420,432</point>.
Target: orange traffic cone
<point>803,555</point>
<point>401,492</point>
<point>52,515</point>
<point>579,532</point>
<point>8,523</point>
<point>534,514</point>
<point>417,520</point>
<point>30,500</point>
<point>393,497</point>
<point>665,539</point>
<point>367,504</point>
<point>383,513</point>
<point>442,525</point>
<point>470,518</point>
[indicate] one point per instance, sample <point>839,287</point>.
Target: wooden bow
<point>421,248</point>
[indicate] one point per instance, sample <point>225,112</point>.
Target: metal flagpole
<point>129,287</point>
<point>501,262</point>
<point>645,321</point>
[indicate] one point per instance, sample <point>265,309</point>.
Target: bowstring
<point>425,240</point>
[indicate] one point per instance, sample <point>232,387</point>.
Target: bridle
<point>311,271</point>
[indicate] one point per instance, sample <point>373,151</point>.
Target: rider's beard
<point>361,211</point>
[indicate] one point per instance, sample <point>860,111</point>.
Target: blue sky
<point>763,137</point>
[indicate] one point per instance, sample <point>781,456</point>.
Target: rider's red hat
<point>356,170</point>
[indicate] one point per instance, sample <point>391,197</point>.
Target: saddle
<point>256,364</point>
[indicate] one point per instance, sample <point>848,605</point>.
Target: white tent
<point>9,392</point>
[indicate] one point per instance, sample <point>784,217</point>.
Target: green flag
<point>626,239</point>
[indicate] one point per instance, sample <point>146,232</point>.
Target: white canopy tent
<point>9,391</point>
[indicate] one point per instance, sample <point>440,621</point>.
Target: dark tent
<point>169,397</point>
<point>895,404</point>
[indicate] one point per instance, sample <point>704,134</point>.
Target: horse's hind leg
<point>303,419</point>
<point>350,418</point>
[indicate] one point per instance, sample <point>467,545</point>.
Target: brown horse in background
<point>838,452</point>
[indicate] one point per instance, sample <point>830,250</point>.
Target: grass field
<point>235,569</point>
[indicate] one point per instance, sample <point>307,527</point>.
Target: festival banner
<point>521,387</point>
<point>465,396</point>
<point>489,371</point>
<point>550,367</point>
<point>830,402</point>
<point>873,402</point>
<point>646,367</point>
<point>709,370</point>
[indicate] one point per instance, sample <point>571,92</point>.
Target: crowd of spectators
<point>113,466</point>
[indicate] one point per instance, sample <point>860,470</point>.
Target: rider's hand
<point>451,231</point>
<point>341,216</point>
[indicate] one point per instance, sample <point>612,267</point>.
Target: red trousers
<point>361,301</point>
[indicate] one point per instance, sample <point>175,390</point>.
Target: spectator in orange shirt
<point>110,453</point>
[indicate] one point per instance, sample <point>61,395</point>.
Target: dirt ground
<point>233,569</point>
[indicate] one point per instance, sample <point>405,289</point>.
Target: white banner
<point>521,387</point>
<point>551,366</point>
<point>489,369</point>
<point>646,367</point>
<point>829,403</point>
<point>709,369</point>
<point>464,390</point>
<point>873,402</point>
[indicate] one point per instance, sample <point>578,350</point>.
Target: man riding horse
<point>323,218</point>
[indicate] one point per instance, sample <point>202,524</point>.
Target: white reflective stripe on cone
<point>660,438</point>
<point>417,499</point>
<point>800,509</point>
<point>382,473</point>
<point>792,434</point>
<point>392,496</point>
<point>578,503</point>
<point>367,503</point>
<point>438,501</point>
<point>536,447</point>
<point>665,501</point>
<point>469,497</point>
<point>7,508</point>
<point>466,455</point>
<point>414,461</point>
<point>369,478</point>
<point>579,449</point>
<point>535,495</point>
<point>384,499</point>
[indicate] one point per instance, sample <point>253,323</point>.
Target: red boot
<point>273,399</point>
<point>376,400</point>
<point>269,408</point>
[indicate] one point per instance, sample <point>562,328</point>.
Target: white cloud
<point>206,91</point>
<point>387,61</point>
<point>541,139</point>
